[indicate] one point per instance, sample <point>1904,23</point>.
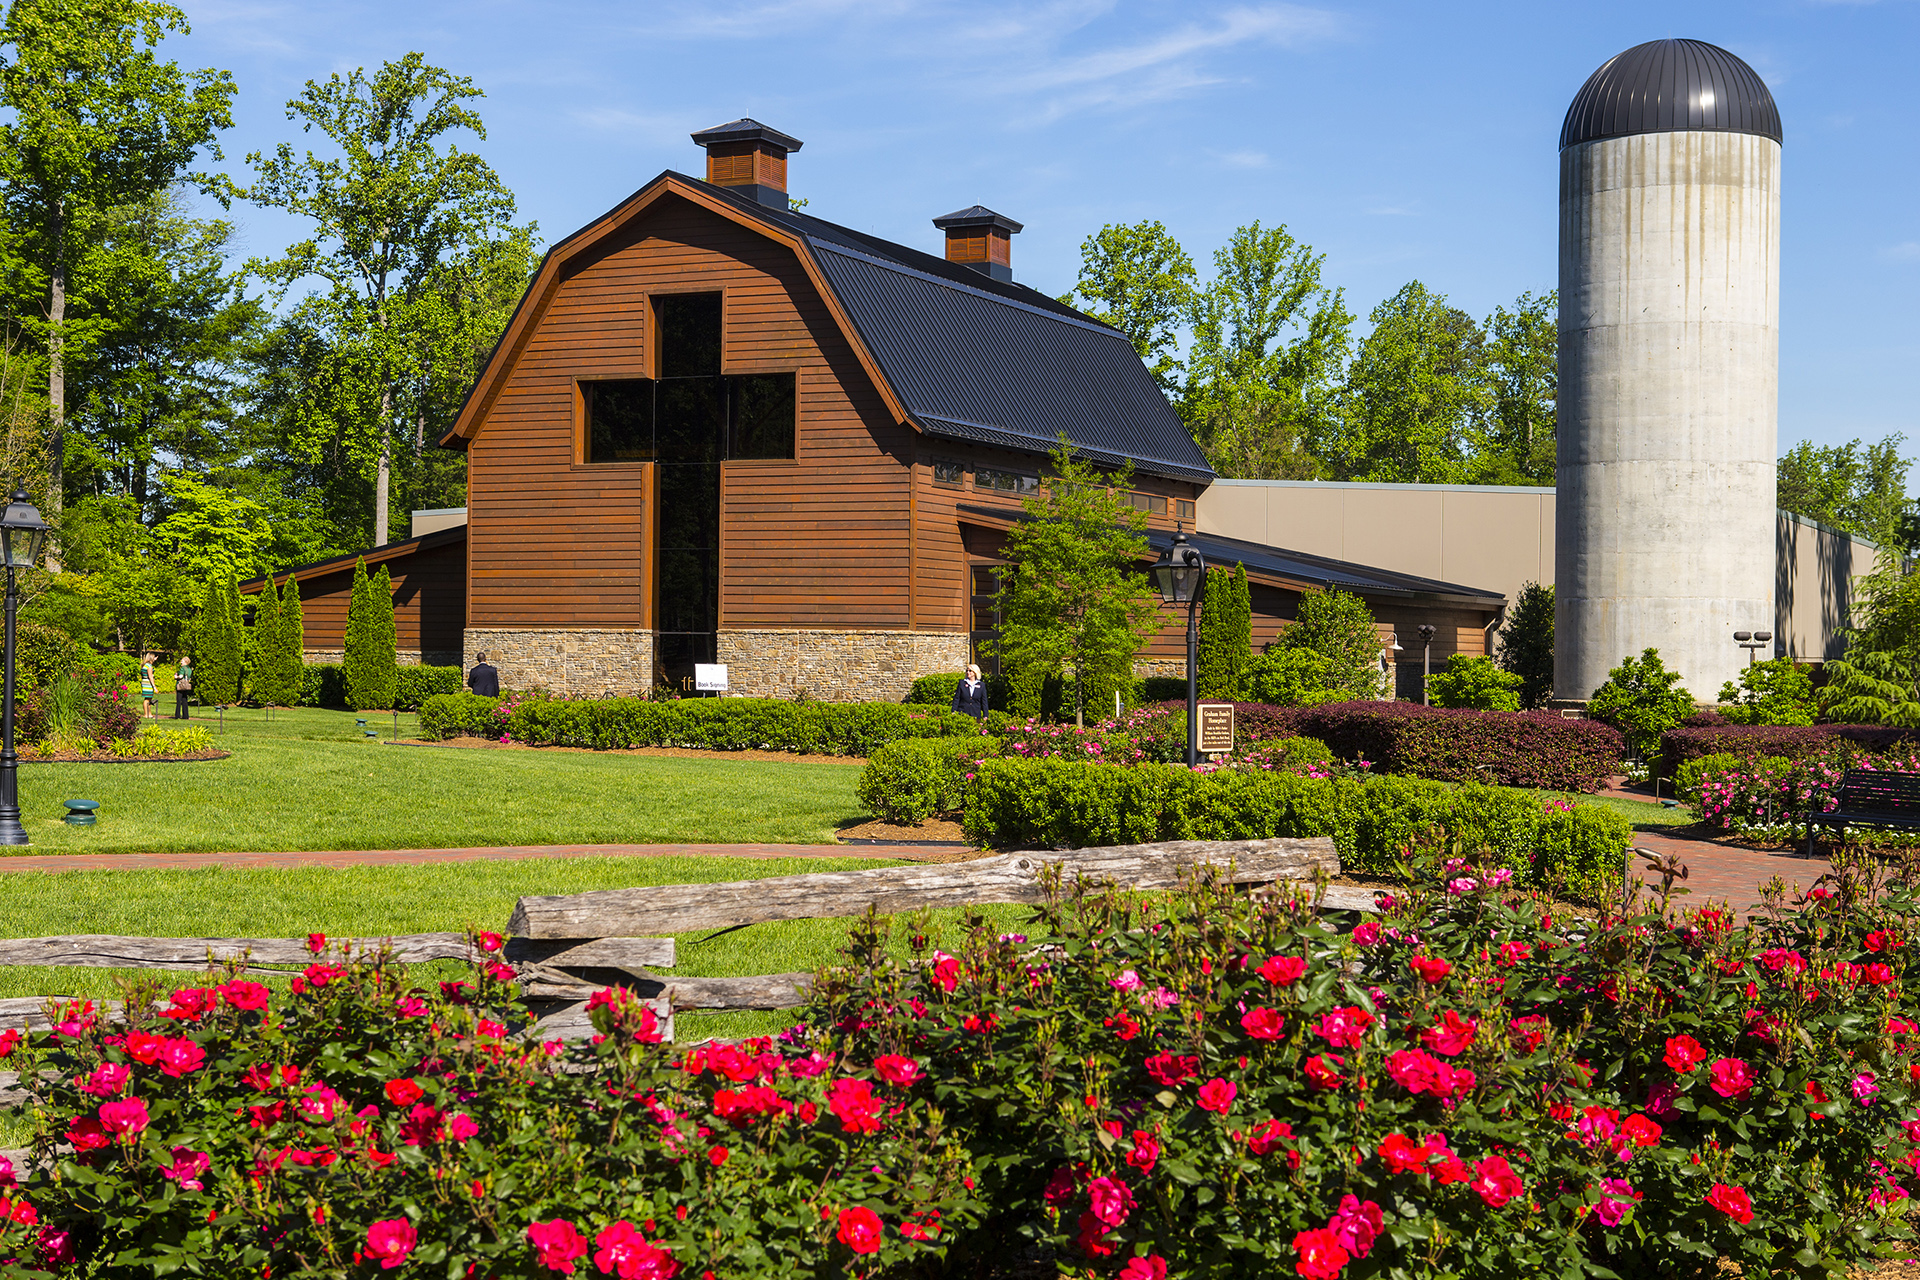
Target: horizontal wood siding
<point>819,542</point>
<point>429,601</point>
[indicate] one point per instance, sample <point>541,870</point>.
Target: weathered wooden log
<point>568,1020</point>
<point>633,955</point>
<point>26,1011</point>
<point>1011,877</point>
<point>106,951</point>
<point>764,991</point>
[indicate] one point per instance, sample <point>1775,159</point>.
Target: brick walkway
<point>1724,872</point>
<point>416,857</point>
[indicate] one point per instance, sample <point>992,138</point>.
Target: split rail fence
<point>569,946</point>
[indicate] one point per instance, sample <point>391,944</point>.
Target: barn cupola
<point>750,158</point>
<point>980,238</point>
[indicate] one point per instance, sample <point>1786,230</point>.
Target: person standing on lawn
<point>970,695</point>
<point>484,679</point>
<point>182,686</point>
<point>149,692</point>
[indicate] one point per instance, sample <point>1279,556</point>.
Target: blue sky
<point>1403,140</point>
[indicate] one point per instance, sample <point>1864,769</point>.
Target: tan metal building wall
<point>1500,538</point>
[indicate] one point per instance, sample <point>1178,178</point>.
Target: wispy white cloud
<point>754,20</point>
<point>1273,24</point>
<point>1394,211</point>
<point>1906,251</point>
<point>1242,159</point>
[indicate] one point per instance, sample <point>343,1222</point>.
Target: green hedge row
<point>1047,804</point>
<point>324,684</point>
<point>709,724</point>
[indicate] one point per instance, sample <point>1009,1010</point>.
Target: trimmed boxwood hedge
<point>1048,804</point>
<point>1792,741</point>
<point>709,724</point>
<point>1534,749</point>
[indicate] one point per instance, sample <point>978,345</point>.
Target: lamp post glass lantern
<point>1181,576</point>
<point>22,534</point>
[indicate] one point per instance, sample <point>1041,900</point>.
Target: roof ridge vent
<point>750,158</point>
<point>981,239</point>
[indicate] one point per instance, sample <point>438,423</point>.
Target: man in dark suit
<point>484,679</point>
<point>970,695</point>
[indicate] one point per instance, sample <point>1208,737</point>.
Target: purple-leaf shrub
<point>1509,748</point>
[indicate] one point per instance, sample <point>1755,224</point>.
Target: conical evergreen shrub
<point>293,639</point>
<point>370,660</point>
<point>216,658</point>
<point>1226,635</point>
<point>276,681</point>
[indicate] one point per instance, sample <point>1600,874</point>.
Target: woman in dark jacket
<point>970,696</point>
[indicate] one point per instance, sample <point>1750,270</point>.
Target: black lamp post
<point>1181,574</point>
<point>1752,642</point>
<point>22,534</point>
<point>1426,662</point>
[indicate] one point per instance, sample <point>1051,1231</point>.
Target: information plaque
<point>1216,728</point>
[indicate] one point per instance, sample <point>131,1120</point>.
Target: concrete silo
<point>1669,365</point>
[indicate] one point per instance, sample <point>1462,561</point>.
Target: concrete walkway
<point>499,853</point>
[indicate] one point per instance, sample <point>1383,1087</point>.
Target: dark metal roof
<point>976,215</point>
<point>374,555</point>
<point>745,130</point>
<point>975,358</point>
<point>1671,86</point>
<point>1321,571</point>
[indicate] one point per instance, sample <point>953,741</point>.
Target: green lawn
<point>1644,816</point>
<point>310,779</point>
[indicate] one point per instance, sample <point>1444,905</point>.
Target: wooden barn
<point>718,430</point>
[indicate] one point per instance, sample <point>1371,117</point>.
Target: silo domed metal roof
<point>1671,86</point>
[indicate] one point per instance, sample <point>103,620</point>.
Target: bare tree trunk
<point>383,477</point>
<point>56,378</point>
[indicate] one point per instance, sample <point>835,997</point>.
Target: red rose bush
<point>1209,1084</point>
<point>368,1126</point>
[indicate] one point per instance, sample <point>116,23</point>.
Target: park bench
<point>1869,798</point>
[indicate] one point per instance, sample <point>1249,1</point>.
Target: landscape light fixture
<point>1426,660</point>
<point>22,534</point>
<point>1751,641</point>
<point>1181,575</point>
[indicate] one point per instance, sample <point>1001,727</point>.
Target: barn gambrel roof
<point>955,353</point>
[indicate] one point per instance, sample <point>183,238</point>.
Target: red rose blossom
<point>860,1229</point>
<point>1732,1201</point>
<point>1321,1257</point>
<point>1495,1181</point>
<point>1684,1054</point>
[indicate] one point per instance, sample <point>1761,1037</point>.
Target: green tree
<point>1226,634</point>
<point>158,387</point>
<point>1269,344</point>
<point>370,657</point>
<point>218,644</point>
<point>390,214</point>
<point>1474,681</point>
<point>1075,600</point>
<point>1773,692</point>
<point>1642,699</point>
<point>93,120</point>
<point>1877,680</point>
<point>1514,442</point>
<point>293,637</point>
<point>1858,489</point>
<point>1339,627</point>
<point>212,532</point>
<point>1526,644</point>
<point>1413,394</point>
<point>1138,279</point>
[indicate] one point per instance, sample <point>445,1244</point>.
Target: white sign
<point>710,677</point>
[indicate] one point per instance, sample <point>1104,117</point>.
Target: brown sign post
<point>1216,728</point>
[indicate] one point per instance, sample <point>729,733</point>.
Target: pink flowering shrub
<point>1773,794</point>
<point>1468,1086</point>
<point>368,1124</point>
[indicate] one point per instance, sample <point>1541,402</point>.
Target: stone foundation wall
<point>1161,668</point>
<point>573,663</point>
<point>406,657</point>
<point>836,666</point>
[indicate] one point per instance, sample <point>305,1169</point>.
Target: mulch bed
<point>932,831</point>
<point>69,757</point>
<point>678,753</point>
